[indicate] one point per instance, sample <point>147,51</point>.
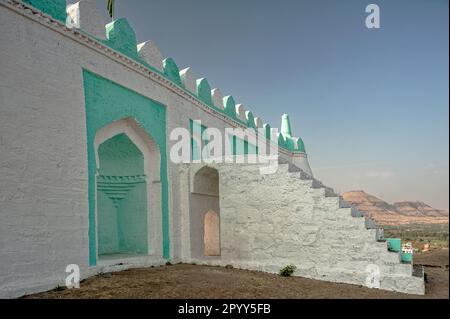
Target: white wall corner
<point>217,98</point>
<point>188,80</point>
<point>150,53</point>
<point>85,16</point>
<point>240,112</point>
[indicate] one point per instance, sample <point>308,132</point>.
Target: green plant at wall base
<point>60,288</point>
<point>287,271</point>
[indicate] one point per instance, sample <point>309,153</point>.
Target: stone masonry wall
<point>43,158</point>
<point>44,181</point>
<point>270,221</point>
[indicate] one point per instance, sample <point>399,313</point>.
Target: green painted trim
<point>204,91</point>
<point>196,150</point>
<point>250,119</point>
<point>406,257</point>
<point>54,8</point>
<point>394,244</point>
<point>267,131</point>
<point>171,71</point>
<point>249,148</point>
<point>106,102</point>
<point>300,146</point>
<point>121,37</point>
<point>229,106</point>
<point>290,144</point>
<point>281,141</point>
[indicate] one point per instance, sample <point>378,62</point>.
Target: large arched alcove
<point>205,214</point>
<point>128,191</point>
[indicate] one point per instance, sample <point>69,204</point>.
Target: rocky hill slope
<point>407,212</point>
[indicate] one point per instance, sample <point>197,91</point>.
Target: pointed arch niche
<point>205,214</point>
<point>128,191</point>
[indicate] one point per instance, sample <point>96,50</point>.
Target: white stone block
<point>240,112</point>
<point>150,53</point>
<point>217,98</point>
<point>188,80</point>
<point>259,122</point>
<point>85,16</point>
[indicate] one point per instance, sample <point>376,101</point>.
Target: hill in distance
<point>399,213</point>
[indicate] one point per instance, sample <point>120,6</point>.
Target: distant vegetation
<point>419,234</point>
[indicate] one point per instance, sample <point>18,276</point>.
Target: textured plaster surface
<point>44,198</point>
<point>84,15</point>
<point>269,221</point>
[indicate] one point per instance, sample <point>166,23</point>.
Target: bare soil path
<point>194,281</point>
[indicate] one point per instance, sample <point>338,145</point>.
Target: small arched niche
<point>211,235</point>
<point>205,214</point>
<point>206,181</point>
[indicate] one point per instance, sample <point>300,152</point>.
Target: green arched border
<point>107,102</point>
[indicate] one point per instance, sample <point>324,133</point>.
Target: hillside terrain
<point>399,213</point>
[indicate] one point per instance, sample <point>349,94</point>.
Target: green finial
<point>285,125</point>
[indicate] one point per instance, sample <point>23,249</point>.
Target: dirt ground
<point>194,281</point>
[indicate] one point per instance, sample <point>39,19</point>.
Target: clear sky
<point>370,104</point>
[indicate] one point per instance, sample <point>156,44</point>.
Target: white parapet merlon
<point>240,112</point>
<point>217,98</point>
<point>295,139</point>
<point>188,80</point>
<point>259,122</point>
<point>85,16</point>
<point>274,132</point>
<point>150,53</point>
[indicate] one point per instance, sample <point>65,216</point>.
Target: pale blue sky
<point>371,105</point>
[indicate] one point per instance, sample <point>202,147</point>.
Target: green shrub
<point>287,271</point>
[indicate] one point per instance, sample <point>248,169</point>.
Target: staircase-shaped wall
<point>270,221</point>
